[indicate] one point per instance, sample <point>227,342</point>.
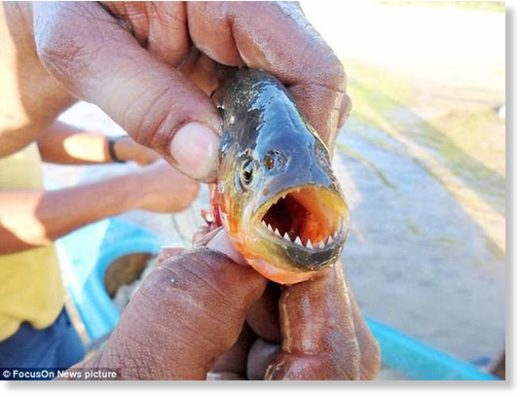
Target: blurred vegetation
<point>469,139</point>
<point>456,136</point>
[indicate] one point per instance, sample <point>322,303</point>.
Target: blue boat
<point>86,254</point>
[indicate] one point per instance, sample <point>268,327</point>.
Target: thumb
<point>97,60</point>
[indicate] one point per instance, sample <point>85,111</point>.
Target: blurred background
<point>422,163</point>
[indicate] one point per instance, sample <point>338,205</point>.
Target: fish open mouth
<point>308,218</point>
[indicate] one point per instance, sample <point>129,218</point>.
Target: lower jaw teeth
<point>298,241</point>
<point>309,245</point>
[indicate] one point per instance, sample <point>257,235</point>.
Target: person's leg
<point>57,346</point>
<point>70,350</point>
<point>29,348</point>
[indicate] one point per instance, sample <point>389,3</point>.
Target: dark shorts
<point>58,346</point>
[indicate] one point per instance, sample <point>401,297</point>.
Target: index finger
<point>276,37</point>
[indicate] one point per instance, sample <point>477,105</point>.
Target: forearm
<point>65,144</point>
<point>35,218</point>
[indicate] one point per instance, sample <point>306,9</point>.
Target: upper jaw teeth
<point>308,244</point>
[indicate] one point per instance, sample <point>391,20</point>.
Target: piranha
<point>276,194</point>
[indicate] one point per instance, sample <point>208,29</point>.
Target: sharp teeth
<point>309,244</point>
<point>277,232</point>
<point>328,240</point>
<point>270,228</point>
<point>321,244</point>
<point>286,236</point>
<point>298,241</point>
<point>263,223</point>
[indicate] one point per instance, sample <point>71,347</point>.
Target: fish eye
<point>246,173</point>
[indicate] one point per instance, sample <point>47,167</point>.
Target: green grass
<point>458,137</point>
<point>461,144</point>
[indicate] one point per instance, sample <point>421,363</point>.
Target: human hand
<point>126,149</point>
<point>164,189</point>
<point>151,66</point>
<point>310,330</point>
<point>198,310</point>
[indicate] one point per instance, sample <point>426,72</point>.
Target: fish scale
<point>276,195</point>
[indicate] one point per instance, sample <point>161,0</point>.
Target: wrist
<point>125,149</point>
<point>117,148</point>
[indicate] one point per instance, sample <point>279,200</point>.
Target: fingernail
<point>195,149</point>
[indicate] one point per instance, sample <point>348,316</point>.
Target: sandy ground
<point>422,161</point>
<point>425,155</point>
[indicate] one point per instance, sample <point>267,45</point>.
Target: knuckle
<point>344,110</point>
<point>152,117</point>
<point>59,46</point>
<point>333,74</point>
<point>51,46</point>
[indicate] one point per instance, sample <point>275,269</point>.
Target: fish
<point>276,194</point>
